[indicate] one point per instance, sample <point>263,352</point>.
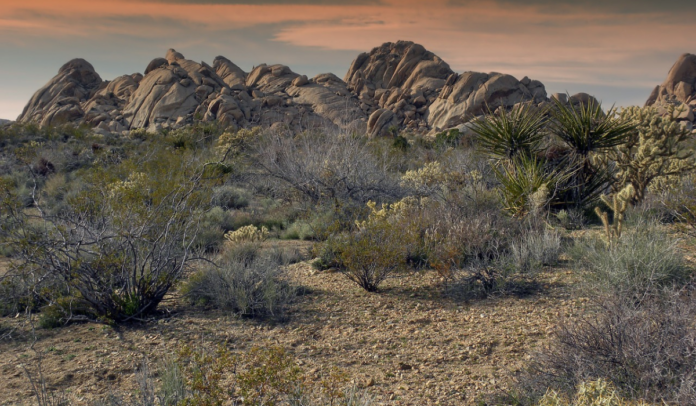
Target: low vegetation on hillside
<point>102,229</point>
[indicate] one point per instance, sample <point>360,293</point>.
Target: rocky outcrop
<point>471,94</point>
<point>422,93</point>
<point>60,100</point>
<point>397,85</point>
<point>401,77</point>
<point>679,88</point>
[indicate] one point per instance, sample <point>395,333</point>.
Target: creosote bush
<point>120,243</point>
<point>372,254</point>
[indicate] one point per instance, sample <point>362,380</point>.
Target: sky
<point>617,50</point>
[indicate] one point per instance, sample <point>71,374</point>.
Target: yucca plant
<point>505,135</point>
<point>527,184</point>
<point>586,130</point>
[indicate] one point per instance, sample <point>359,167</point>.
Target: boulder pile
<point>396,85</point>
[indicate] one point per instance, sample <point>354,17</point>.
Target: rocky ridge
<point>396,85</point>
<point>679,88</point>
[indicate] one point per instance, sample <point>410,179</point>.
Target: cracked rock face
<point>399,85</point>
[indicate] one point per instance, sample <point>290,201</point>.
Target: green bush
<point>373,254</point>
<point>448,139</point>
<point>229,197</point>
<point>298,230</point>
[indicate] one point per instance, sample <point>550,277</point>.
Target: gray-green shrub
<point>645,259</point>
<point>535,249</point>
<point>244,280</point>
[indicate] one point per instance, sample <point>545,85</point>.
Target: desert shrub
<point>571,219</point>
<point>60,311</point>
<point>244,280</point>
<point>214,224</point>
<point>400,143</point>
<point>643,261</point>
<point>327,253</point>
<point>124,240</point>
<point>298,230</point>
<point>261,376</point>
<point>646,351</point>
<point>448,139</point>
<point>490,253</point>
<point>679,201</point>
<point>335,168</point>
<point>229,197</point>
<point>595,393</point>
<point>173,388</point>
<point>535,249</point>
<point>372,254</point>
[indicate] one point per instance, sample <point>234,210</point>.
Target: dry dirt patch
<point>407,344</point>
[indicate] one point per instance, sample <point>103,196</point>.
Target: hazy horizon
<point>617,52</point>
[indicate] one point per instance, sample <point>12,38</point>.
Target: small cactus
<point>618,204</point>
<point>248,233</point>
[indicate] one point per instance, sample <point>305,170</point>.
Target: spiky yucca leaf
<point>505,135</point>
<point>527,184</point>
<point>586,128</point>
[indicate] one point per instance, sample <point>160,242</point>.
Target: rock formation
<point>679,88</point>
<point>398,85</point>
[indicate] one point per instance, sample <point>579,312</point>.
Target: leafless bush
<point>327,167</point>
<point>648,351</point>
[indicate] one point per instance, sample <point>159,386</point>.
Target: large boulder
<point>422,91</point>
<point>59,101</point>
<point>327,96</point>
<point>402,77</point>
<point>230,73</point>
<point>473,93</point>
<point>680,84</point>
<point>172,92</point>
<point>679,89</point>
